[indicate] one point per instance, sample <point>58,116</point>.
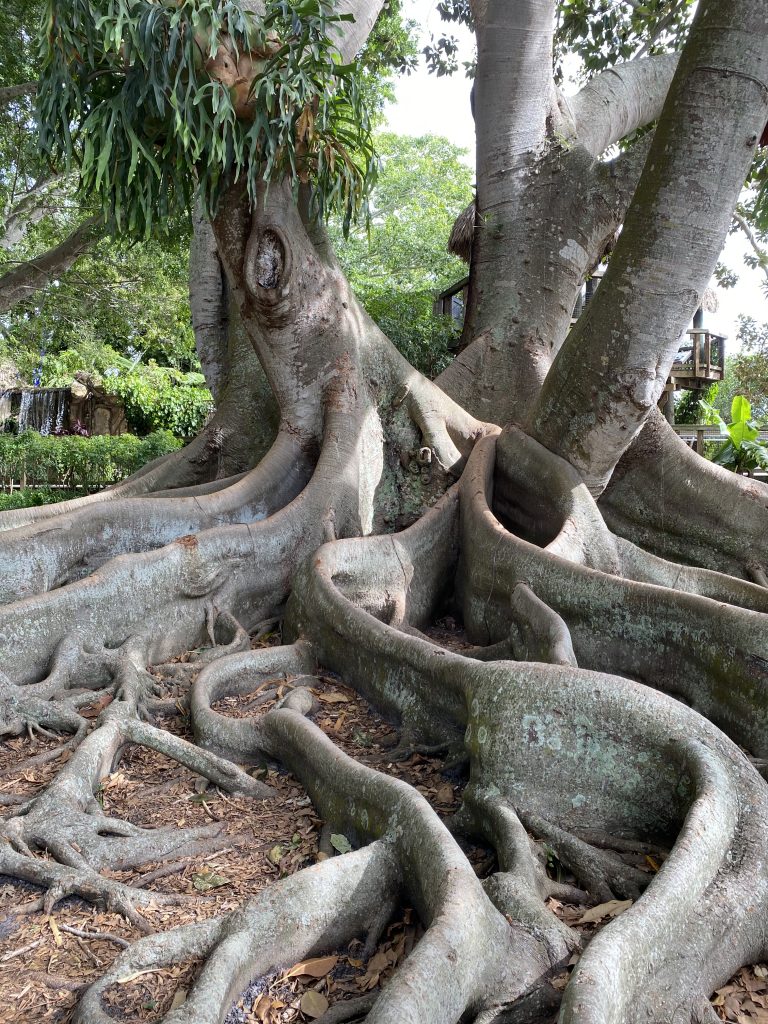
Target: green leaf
<point>340,843</point>
<point>741,410</point>
<point>203,881</point>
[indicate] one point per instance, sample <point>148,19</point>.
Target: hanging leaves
<point>150,99</point>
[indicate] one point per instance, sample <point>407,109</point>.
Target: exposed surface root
<point>344,897</point>
<point>66,820</point>
<point>578,779</point>
<point>670,500</point>
<point>577,752</point>
<point>624,609</point>
<point>71,545</point>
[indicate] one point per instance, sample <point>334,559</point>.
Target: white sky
<point>440,106</point>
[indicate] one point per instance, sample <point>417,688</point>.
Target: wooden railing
<point>695,434</point>
<point>707,356</point>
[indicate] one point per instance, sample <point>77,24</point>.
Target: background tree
<point>579,616</point>
<point>750,366</point>
<point>399,262</point>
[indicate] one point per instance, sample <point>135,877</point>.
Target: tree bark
<point>27,278</point>
<point>604,696</point>
<point>618,358</point>
<point>8,93</point>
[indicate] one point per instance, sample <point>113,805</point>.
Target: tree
<point>601,568</point>
<point>400,262</point>
<point>749,367</point>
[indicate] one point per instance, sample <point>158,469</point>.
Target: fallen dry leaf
<point>317,967</point>
<point>179,996</point>
<point>55,929</point>
<point>313,1004</point>
<point>610,909</point>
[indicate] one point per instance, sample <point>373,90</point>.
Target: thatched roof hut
<point>460,242</point>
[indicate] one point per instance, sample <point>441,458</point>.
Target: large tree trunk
<point>614,672</point>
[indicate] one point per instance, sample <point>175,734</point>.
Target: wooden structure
<point>700,360</point>
<point>700,363</point>
<point>453,301</point>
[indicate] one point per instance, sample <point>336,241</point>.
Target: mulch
<point>45,962</point>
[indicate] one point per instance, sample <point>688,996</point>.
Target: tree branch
<point>27,278</point>
<point>762,256</point>
<point>13,92</point>
<point>621,100</point>
<point>612,368</point>
<point>29,210</point>
<point>356,33</point>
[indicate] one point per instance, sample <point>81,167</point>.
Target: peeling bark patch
<point>270,260</point>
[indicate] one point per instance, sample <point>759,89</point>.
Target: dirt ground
<point>45,962</point>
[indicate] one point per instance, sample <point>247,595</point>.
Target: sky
<point>440,106</point>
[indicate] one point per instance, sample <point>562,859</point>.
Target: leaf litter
<point>47,961</point>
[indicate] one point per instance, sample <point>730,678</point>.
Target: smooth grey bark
<point>27,278</point>
<point>353,35</point>
<point>617,102</point>
<point>669,500</point>
<point>546,209</point>
<point>619,356</point>
<point>207,301</point>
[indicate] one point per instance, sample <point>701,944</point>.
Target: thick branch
<point>14,92</point>
<point>621,100</point>
<point>365,13</point>
<point>612,368</point>
<point>27,278</point>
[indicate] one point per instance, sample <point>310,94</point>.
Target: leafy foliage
<point>399,266</point>
<point>28,496</point>
<point>155,397</point>
<point>742,451</point>
<point>135,93</point>
<point>688,407</point>
<point>78,463</point>
<point>603,33</point>
<point>750,365</point>
<point>131,298</point>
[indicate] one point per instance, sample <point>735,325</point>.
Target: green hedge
<point>82,463</point>
<point>27,497</point>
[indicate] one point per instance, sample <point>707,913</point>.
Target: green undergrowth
<point>75,464</point>
<point>29,496</point>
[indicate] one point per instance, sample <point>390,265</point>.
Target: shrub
<point>78,463</point>
<point>27,496</point>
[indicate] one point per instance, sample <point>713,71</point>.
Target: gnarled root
<point>67,546</point>
<point>668,499</point>
<point>623,609</point>
<point>575,754</point>
<point>66,819</point>
<point>455,966</point>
